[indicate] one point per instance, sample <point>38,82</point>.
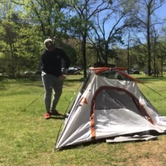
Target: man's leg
<point>47,82</point>
<point>57,86</point>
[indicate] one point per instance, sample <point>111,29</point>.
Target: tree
<point>49,15</point>
<point>117,18</point>
<point>162,48</point>
<point>84,13</point>
<point>19,45</point>
<point>145,17</point>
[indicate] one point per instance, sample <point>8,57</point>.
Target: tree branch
<point>17,3</point>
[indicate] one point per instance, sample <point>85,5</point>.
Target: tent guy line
<point>24,110</point>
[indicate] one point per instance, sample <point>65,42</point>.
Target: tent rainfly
<point>110,106</point>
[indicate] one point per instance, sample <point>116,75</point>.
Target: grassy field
<point>27,139</point>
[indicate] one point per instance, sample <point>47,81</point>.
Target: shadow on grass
<point>75,80</point>
<point>2,87</point>
<point>84,145</point>
<point>148,79</point>
<point>58,117</point>
<point>36,84</point>
<point>32,81</point>
<point>103,140</point>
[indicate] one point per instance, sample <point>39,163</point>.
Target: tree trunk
<point>154,66</point>
<point>84,54</point>
<point>161,67</point>
<point>98,56</point>
<point>106,54</point>
<point>148,41</point>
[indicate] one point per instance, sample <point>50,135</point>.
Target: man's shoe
<point>47,115</point>
<point>55,112</point>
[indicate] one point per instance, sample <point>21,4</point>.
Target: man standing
<point>52,76</point>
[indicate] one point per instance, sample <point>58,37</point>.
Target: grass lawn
<point>26,138</point>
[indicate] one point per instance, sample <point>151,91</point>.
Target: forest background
<point>127,33</point>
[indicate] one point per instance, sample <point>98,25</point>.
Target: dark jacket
<point>51,61</point>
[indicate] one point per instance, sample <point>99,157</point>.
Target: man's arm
<point>66,59</point>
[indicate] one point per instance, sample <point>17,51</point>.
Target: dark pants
<point>51,83</point>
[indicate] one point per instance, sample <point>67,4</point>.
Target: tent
<point>110,106</point>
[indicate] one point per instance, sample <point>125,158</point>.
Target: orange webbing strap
<point>100,69</point>
<point>145,114</point>
<point>126,75</point>
<point>92,121</point>
<point>120,68</point>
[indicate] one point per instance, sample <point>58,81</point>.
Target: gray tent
<point>109,108</point>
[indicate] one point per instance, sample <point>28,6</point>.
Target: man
<point>52,76</point>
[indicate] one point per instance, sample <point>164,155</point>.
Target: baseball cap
<point>47,40</point>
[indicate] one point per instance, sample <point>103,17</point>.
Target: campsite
<point>82,83</point>
<point>28,139</point>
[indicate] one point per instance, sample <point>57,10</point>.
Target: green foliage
<point>20,46</point>
<point>48,15</point>
<point>74,25</point>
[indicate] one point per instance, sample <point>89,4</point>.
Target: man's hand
<point>62,77</point>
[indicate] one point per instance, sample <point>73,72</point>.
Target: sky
<point>160,14</point>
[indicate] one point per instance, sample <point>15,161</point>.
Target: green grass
<point>26,138</point>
